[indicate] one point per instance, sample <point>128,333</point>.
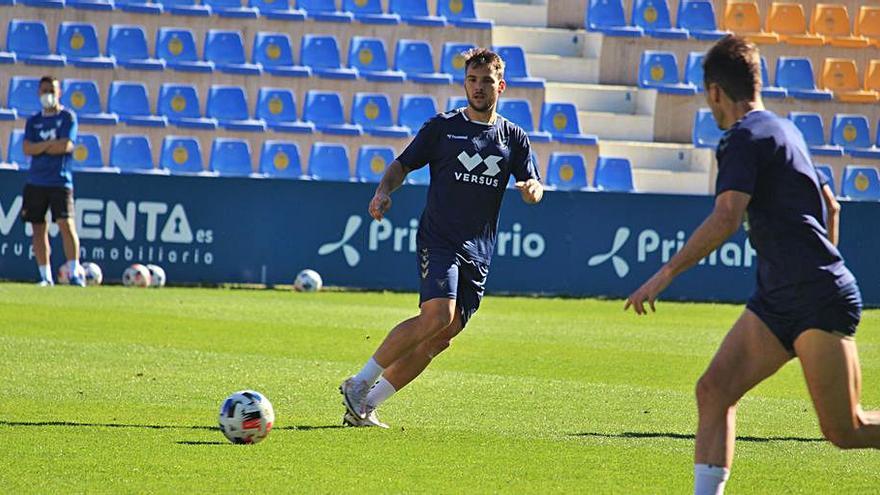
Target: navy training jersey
<point>46,169</point>
<point>471,163</point>
<point>766,157</point>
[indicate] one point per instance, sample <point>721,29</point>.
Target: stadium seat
<point>452,60</point>
<point>372,111</point>
<point>653,17</point>
<point>789,22</point>
<point>231,157</point>
<point>519,111</point>
<point>87,153</point>
<point>277,107</point>
<point>566,171</point>
<point>368,57</point>
<point>693,71</point>
<point>177,47</point>
<point>872,75</point>
<point>280,159</point>
<point>29,41</point>
<point>811,126</point>
<point>369,12</point>
<point>416,59</point>
<point>420,176</point>
<point>105,5</point>
<point>129,101</point>
<point>454,102</point>
<point>868,23</point>
<point>852,133</point>
<point>796,76</point>
<point>231,8</point>
<point>743,18</point>
<point>768,91</point>
<point>415,110</point>
<point>138,6</point>
<point>131,153</point>
<point>832,22</point>
<point>841,76</point>
<point>8,114</point>
<point>607,17</point>
<point>22,96</point>
<point>273,52</point>
<point>325,110</point>
<point>226,50</point>
<point>128,46</point>
<point>321,53</point>
<point>78,44</point>
<point>228,106</point>
<point>706,133</point>
<point>6,57</point>
<point>179,103</point>
<point>83,98</point>
<point>278,10</point>
<point>659,70</point>
<point>462,14</point>
<point>44,4</point>
<point>698,18</point>
<point>181,155</point>
<point>185,7</point>
<point>860,183</point>
<point>613,174</point>
<point>826,175</point>
<point>516,73</point>
<point>415,13</point>
<point>372,161</point>
<point>323,11</point>
<point>561,121</point>
<point>329,161</point>
<point>15,152</point>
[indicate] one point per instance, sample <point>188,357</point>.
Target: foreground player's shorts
<point>445,274</point>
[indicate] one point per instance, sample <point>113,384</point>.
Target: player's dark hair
<point>479,57</point>
<point>48,79</point>
<point>735,65</point>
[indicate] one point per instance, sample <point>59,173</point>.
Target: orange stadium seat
<point>841,76</point>
<point>743,18</point>
<point>872,75</point>
<point>832,22</point>
<point>868,23</point>
<point>789,22</point>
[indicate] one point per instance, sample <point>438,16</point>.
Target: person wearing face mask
<point>48,140</point>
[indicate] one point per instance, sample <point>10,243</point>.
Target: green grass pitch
<point>115,390</point>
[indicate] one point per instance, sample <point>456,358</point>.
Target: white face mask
<point>48,100</point>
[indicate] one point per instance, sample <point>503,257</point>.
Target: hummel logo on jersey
<point>453,136</point>
<point>487,178</point>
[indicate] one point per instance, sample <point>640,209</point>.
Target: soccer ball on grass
<point>246,417</point>
<point>308,281</point>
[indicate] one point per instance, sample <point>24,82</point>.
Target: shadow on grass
<point>690,436</point>
<point>150,427</point>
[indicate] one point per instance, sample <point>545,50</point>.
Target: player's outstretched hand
<point>648,292</point>
<point>380,203</point>
<point>530,190</point>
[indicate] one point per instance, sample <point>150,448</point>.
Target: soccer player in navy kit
<point>472,152</point>
<point>806,304</point>
<point>48,140</point>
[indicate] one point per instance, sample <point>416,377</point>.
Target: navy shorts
<point>839,314</point>
<point>446,274</point>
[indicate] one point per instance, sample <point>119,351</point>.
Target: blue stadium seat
<point>416,59</point>
<point>372,161</point>
<point>372,111</point>
<point>369,12</point>
<point>100,5</point>
<point>515,71</point>
<point>87,153</point>
<point>368,57</point>
<point>561,121</point>
<point>280,159</point>
<point>15,153</point>
<point>7,57</point>
<point>44,4</point>
<point>415,13</point>
<point>321,53</point>
<point>273,53</point>
<point>654,19</point>
<point>810,125</point>
<point>323,11</point>
<point>613,174</point>
<point>83,98</point>
<point>860,183</point>
<point>226,50</point>
<point>454,102</point>
<point>452,60</point>
<point>519,111</point>
<point>138,6</point>
<point>462,14</point>
<point>607,17</point>
<point>851,132</point>
<point>78,43</point>
<point>567,171</point>
<point>181,155</point>
<point>324,109</point>
<point>128,46</point>
<point>29,41</point>
<point>228,106</point>
<point>826,175</point>
<point>698,18</point>
<point>659,70</point>
<point>179,103</point>
<point>795,74</point>
<point>131,153</point>
<point>8,114</point>
<point>177,46</point>
<point>419,176</point>
<point>706,133</point>
<point>23,96</point>
<point>185,7</point>
<point>329,161</point>
<point>277,107</point>
<point>129,101</point>
<point>768,91</point>
<point>278,10</point>
<point>693,72</point>
<point>231,157</point>
<point>414,110</point>
<point>231,8</point>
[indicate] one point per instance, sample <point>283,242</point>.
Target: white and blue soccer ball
<point>246,417</point>
<point>137,275</point>
<point>94,274</point>
<point>64,273</point>
<point>308,281</point>
<point>157,276</point>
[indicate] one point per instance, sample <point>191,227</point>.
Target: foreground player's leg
<point>41,252</point>
<point>749,354</point>
<point>71,249</point>
<point>831,368</point>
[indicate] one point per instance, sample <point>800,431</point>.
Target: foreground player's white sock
<point>370,372</point>
<point>709,479</point>
<point>381,391</point>
<point>46,272</point>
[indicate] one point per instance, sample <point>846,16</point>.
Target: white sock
<point>73,265</point>
<point>381,391</point>
<point>370,372</point>
<point>46,272</point>
<point>710,479</point>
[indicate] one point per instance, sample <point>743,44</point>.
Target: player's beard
<point>481,108</point>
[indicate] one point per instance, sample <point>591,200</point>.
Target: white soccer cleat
<point>45,283</point>
<point>354,397</point>
<point>372,420</point>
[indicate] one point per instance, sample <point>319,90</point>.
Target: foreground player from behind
<point>472,153</point>
<point>806,303</point>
